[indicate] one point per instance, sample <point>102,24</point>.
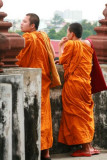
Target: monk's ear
<point>71,35</point>
<point>33,26</point>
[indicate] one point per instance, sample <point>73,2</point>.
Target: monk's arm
<point>61,45</point>
<point>67,53</point>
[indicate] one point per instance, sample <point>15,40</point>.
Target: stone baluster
<point>5,121</point>
<point>4,45</point>
<point>15,43</point>
<point>18,133</point>
<point>100,39</point>
<point>32,109</point>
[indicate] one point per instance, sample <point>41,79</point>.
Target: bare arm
<point>61,45</point>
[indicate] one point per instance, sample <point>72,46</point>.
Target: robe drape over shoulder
<point>35,55</point>
<point>77,122</point>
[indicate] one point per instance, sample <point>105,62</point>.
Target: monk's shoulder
<point>69,43</point>
<point>27,34</point>
<point>28,38</point>
<point>87,42</point>
<point>43,35</point>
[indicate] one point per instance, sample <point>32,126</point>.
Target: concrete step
<point>66,156</point>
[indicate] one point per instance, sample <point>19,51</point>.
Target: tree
<point>88,28</point>
<point>19,32</point>
<point>85,34</point>
<point>62,33</point>
<point>57,20</point>
<point>52,33</point>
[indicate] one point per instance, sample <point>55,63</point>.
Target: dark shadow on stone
<point>31,135</point>
<point>100,111</point>
<point>15,127</point>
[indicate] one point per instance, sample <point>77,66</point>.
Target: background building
<point>70,16</point>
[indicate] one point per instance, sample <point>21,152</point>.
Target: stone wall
<point>28,81</point>
<point>30,115</point>
<point>12,118</point>
<point>100,111</point>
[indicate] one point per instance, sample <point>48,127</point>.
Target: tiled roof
<point>55,46</point>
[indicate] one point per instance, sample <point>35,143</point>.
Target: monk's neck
<point>75,38</point>
<point>33,30</point>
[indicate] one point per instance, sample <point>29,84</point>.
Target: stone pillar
<point>100,39</point>
<point>18,141</point>
<point>11,49</point>
<point>32,109</point>
<point>4,45</point>
<point>5,121</point>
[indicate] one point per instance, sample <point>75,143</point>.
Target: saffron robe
<point>35,55</point>
<point>77,122</point>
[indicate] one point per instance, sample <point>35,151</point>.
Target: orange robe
<point>35,55</point>
<point>77,122</point>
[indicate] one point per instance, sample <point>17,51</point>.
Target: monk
<point>77,122</point>
<point>39,53</point>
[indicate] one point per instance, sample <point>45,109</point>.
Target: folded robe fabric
<point>77,121</point>
<point>55,79</point>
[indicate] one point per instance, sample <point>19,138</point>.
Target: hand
<point>63,40</point>
<point>56,61</point>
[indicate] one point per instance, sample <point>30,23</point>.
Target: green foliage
<point>58,35</point>
<point>57,20</point>
<point>52,33</point>
<point>85,34</point>
<point>19,32</point>
<point>88,28</point>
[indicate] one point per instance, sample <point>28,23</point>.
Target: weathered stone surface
<point>31,113</point>
<point>100,110</point>
<point>5,121</point>
<point>32,109</point>
<point>18,145</point>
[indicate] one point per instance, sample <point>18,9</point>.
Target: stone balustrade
<point>20,114</point>
<point>5,121</point>
<point>12,118</point>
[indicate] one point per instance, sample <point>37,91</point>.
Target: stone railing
<point>20,114</point>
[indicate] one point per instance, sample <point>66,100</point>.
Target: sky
<point>17,9</point>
